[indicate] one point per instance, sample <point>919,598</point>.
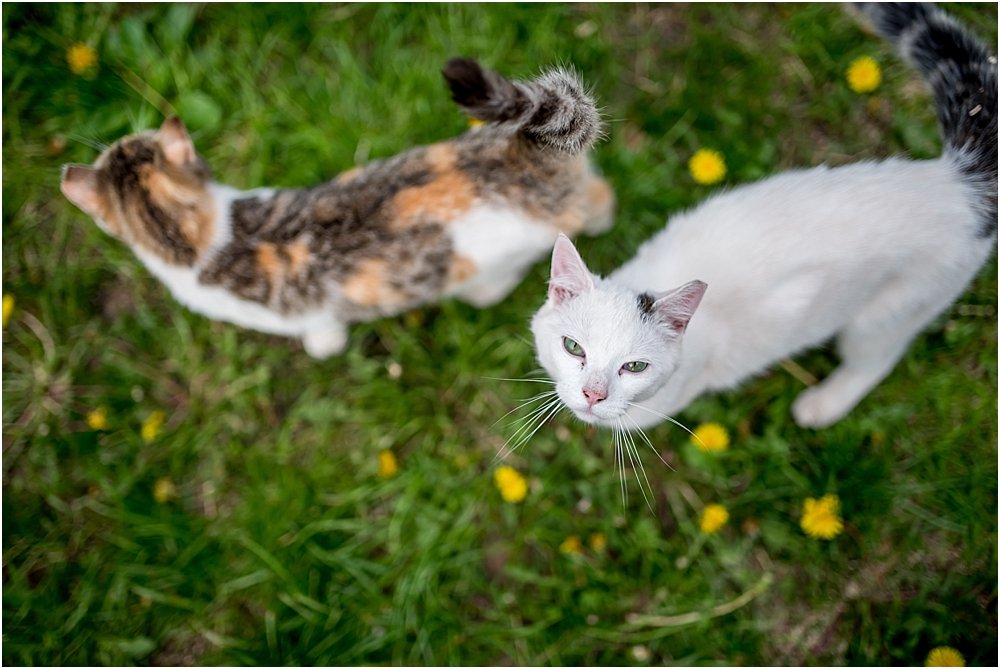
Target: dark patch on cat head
<point>646,302</point>
<point>149,198</point>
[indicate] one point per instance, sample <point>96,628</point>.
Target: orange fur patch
<point>570,221</point>
<point>191,208</point>
<point>461,269</point>
<point>442,200</point>
<point>599,194</point>
<point>269,262</point>
<point>446,197</point>
<point>369,285</point>
<point>599,198</point>
<point>298,256</point>
<point>350,174</point>
<point>441,156</point>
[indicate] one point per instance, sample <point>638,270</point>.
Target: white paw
<point>817,408</point>
<point>324,343</point>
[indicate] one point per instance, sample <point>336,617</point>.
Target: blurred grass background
<point>254,528</point>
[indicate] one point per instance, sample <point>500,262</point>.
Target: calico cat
<point>868,253</point>
<point>463,218</point>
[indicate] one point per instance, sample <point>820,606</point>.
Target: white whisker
<point>91,142</point>
<point>620,466</point>
<point>527,423</point>
<point>546,396</point>
<point>522,403</point>
<point>532,423</point>
<point>664,417</point>
<point>497,378</point>
<point>556,408</point>
<point>642,469</point>
<point>648,442</point>
<point>635,471</point>
<point>535,412</point>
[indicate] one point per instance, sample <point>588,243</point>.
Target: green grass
<point>282,544</point>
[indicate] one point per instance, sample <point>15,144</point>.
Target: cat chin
<point>600,421</point>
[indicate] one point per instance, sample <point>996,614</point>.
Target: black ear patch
<point>645,301</point>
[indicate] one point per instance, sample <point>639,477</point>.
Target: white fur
<point>869,253</point>
<point>503,244</point>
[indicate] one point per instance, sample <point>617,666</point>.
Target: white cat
<point>868,253</point>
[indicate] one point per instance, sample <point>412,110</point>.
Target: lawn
<point>179,491</point>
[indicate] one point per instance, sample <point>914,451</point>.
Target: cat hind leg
<point>869,349</point>
<point>322,343</point>
<point>600,207</point>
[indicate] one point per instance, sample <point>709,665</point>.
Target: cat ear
<point>175,142</point>
<point>570,276</point>
<point>676,307</point>
<point>79,185</point>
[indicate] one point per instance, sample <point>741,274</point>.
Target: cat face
<point>151,191</point>
<point>607,346</point>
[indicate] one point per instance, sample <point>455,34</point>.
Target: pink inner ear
<point>79,185</point>
<point>677,307</point>
<point>175,142</point>
<point>570,276</point>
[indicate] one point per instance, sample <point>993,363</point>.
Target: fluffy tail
<point>553,111</point>
<point>963,75</point>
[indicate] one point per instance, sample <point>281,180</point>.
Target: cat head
<point>605,345</point>
<point>151,191</point>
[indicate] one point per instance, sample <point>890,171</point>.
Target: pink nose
<point>594,396</point>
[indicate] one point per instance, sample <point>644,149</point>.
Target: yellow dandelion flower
<point>707,166</point>
<point>387,466</point>
<point>98,418</point>
<point>164,490</point>
<point>8,308</point>
<point>944,656</point>
<point>152,425</point>
<point>713,518</point>
<point>81,58</point>
<point>864,75</point>
<point>710,437</point>
<point>598,542</point>
<point>571,545</point>
<point>476,123</point>
<point>513,487</point>
<point>820,517</point>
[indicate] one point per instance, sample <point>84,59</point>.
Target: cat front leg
<point>823,405</point>
<point>322,342</point>
<point>868,351</point>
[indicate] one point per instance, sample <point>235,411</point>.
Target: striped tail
<point>552,111</point>
<point>963,76</point>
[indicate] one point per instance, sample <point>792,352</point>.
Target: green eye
<point>573,348</point>
<point>635,366</point>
